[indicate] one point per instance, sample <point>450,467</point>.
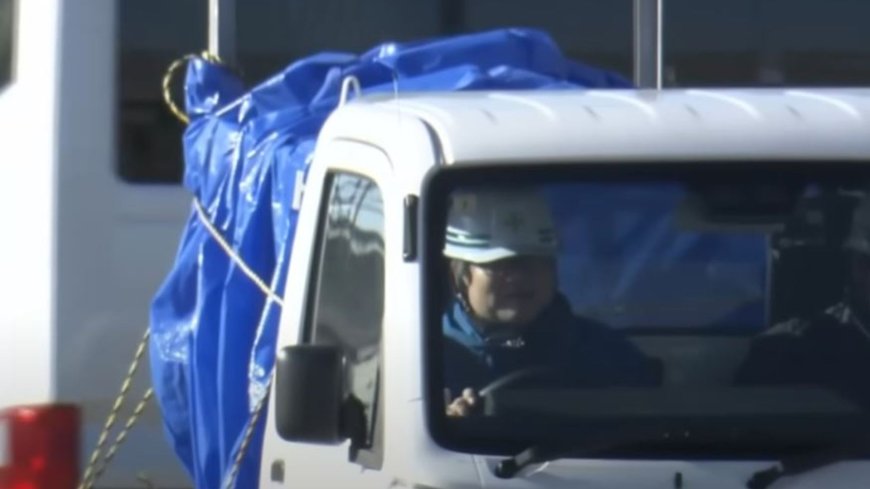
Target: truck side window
<point>348,307</point>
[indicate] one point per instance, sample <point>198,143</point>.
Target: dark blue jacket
<point>590,354</point>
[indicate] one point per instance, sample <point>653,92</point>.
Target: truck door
<point>343,306</point>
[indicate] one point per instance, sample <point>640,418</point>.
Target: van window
<point>150,36</point>
<point>348,287</point>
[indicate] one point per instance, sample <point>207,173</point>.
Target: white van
<point>82,253</point>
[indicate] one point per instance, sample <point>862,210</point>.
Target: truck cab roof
<point>620,125</point>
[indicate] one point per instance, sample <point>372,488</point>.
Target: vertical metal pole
<point>648,43</point>
<point>222,29</point>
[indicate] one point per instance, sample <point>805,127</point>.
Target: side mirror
<point>309,394</point>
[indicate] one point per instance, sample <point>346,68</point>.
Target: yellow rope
<point>249,433</point>
<point>170,75</point>
<point>90,475</point>
<point>123,434</point>
<point>93,472</point>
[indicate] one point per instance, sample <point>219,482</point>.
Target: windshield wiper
<point>508,468</point>
<point>800,464</point>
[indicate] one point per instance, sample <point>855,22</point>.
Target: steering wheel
<point>512,378</point>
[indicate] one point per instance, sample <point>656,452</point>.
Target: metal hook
<point>345,87</point>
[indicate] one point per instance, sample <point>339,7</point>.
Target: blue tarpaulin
<point>627,261</point>
<point>213,331</point>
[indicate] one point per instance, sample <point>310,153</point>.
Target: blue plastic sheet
<point>246,152</point>
<point>627,261</point>
<point>213,332</point>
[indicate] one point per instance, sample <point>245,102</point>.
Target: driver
<point>507,315</point>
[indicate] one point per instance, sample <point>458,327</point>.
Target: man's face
<point>512,291</point>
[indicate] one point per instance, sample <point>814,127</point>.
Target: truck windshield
<point>732,314</point>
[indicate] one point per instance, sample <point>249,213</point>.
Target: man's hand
<point>464,405</point>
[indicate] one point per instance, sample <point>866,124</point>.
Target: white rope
<point>213,231</point>
<point>272,296</point>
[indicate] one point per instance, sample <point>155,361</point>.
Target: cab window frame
<point>477,435</point>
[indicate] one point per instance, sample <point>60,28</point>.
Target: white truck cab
<point>759,175</point>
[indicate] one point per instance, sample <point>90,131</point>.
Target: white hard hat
<point>489,224</point>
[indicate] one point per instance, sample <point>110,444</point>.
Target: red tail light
<point>39,447</point>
